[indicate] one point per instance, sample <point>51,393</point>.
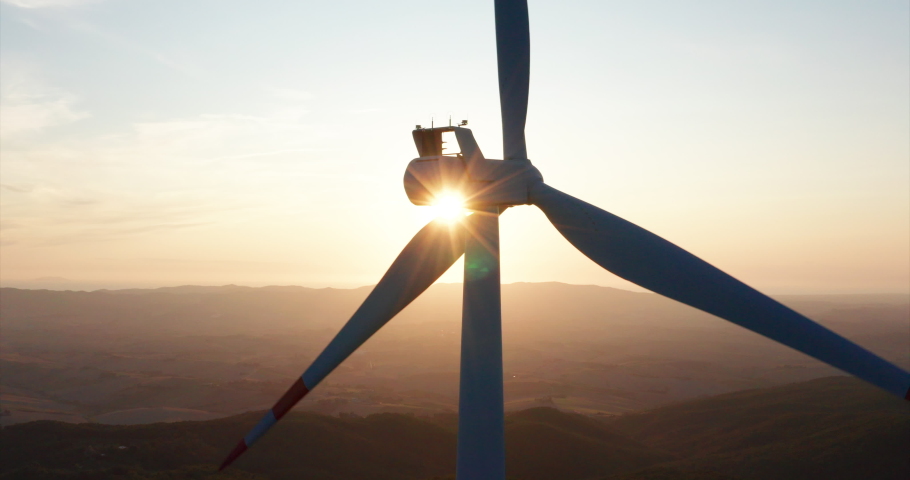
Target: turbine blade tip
<point>236,452</point>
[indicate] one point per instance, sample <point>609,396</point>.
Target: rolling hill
<point>833,427</point>
<point>200,353</point>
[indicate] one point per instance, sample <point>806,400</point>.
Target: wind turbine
<point>625,249</point>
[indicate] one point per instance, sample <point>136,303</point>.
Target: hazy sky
<point>151,143</point>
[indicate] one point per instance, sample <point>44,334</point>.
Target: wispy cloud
<point>48,3</point>
<point>176,59</point>
<point>14,188</point>
<point>160,176</point>
<point>29,107</point>
<point>57,215</point>
<point>113,234</point>
<point>291,94</point>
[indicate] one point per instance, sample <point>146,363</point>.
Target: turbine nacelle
<point>482,182</point>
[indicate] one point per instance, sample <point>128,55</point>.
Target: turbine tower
<point>625,249</point>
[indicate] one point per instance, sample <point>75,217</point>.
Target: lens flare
<point>449,207</point>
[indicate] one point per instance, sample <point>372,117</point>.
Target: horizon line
<point>23,285</point>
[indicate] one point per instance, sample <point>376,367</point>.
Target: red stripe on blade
<point>289,399</point>
<point>236,452</point>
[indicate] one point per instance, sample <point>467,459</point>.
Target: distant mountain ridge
<point>834,428</point>
<point>292,306</point>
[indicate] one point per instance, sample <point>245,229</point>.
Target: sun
<point>449,207</point>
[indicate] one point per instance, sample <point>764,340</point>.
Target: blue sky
<point>151,143</point>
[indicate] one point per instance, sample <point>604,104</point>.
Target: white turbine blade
<point>426,257</point>
<point>513,57</point>
<point>645,259</point>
